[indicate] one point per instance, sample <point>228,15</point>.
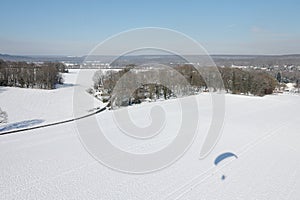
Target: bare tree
<point>98,79</point>
<point>3,117</point>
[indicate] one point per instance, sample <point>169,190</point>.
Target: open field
<point>51,163</point>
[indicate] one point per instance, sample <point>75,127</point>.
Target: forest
<point>159,83</point>
<point>31,75</point>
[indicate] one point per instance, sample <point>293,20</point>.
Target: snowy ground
<point>30,107</point>
<point>51,163</point>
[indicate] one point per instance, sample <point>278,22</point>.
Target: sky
<point>61,27</point>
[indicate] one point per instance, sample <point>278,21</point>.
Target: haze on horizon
<point>221,27</point>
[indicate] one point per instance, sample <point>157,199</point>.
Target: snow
<point>46,106</point>
<point>24,104</point>
<point>51,163</point>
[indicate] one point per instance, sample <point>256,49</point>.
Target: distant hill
<point>39,58</point>
<point>8,57</point>
<point>257,60</point>
<point>220,60</point>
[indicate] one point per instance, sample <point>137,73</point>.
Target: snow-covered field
<point>36,107</point>
<point>51,163</point>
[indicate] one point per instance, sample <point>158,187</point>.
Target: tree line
<point>235,80</point>
<point>161,84</point>
<point>249,81</point>
<point>31,75</point>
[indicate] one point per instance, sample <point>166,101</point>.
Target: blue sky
<point>222,27</point>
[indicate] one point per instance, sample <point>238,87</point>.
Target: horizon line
<point>217,54</point>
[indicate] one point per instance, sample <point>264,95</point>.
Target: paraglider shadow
<point>222,157</point>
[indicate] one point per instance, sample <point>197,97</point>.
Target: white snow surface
<point>51,163</point>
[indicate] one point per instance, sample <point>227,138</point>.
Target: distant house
<point>290,87</point>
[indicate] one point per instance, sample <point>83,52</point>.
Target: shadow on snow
<point>22,124</point>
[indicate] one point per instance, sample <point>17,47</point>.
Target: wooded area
<point>236,81</point>
<point>30,75</point>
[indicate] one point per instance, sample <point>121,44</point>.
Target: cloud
<point>263,32</point>
<point>258,30</point>
<point>231,26</point>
